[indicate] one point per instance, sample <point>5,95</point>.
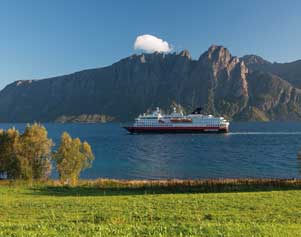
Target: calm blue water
<point>249,150</point>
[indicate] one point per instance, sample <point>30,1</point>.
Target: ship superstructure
<point>177,122</point>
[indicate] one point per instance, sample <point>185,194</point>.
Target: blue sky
<point>47,38</point>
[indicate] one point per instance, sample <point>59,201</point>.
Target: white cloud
<point>150,44</point>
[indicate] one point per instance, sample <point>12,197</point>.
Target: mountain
<point>219,82</point>
<point>290,72</point>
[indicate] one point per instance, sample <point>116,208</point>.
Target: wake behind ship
<point>176,122</point>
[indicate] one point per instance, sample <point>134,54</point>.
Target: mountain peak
<point>252,59</point>
<point>214,47</point>
<point>217,54</point>
<point>185,53</point>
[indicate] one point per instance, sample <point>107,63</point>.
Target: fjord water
<point>254,149</point>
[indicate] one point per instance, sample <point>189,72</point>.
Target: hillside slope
<point>217,81</point>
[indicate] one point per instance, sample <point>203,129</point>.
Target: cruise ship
<point>177,122</point>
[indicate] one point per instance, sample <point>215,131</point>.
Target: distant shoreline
<point>85,118</point>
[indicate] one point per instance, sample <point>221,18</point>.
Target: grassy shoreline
<point>106,207</point>
<point>169,185</point>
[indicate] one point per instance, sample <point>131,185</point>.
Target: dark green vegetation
<point>247,88</point>
<point>158,208</point>
<point>29,156</point>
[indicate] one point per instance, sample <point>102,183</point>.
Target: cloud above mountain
<point>150,44</point>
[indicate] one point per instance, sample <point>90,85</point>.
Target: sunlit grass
<point>141,208</point>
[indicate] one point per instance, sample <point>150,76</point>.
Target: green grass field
<point>151,210</point>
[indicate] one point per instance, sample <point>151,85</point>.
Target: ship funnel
<point>197,110</point>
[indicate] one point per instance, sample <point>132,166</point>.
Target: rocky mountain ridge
<point>247,88</point>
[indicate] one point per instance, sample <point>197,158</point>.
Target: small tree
<point>34,152</point>
<point>72,157</point>
<point>9,163</point>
